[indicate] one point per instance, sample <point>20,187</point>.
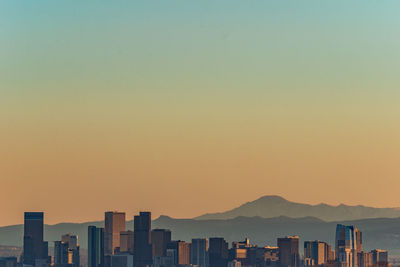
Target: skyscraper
<point>95,247</point>
<point>348,243</point>
<point>35,249</point>
<point>114,224</point>
<point>199,252</point>
<point>379,257</point>
<point>159,240</point>
<point>142,241</point>
<point>66,251</point>
<point>218,252</point>
<point>289,255</point>
<point>317,253</point>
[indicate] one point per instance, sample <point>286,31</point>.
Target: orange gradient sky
<point>188,109</point>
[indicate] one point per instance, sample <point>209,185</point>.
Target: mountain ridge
<point>270,206</point>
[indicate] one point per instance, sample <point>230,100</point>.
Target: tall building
<point>379,256</point>
<point>181,252</point>
<point>218,252</point>
<point>95,247</point>
<point>199,252</point>
<point>35,249</point>
<point>317,253</point>
<point>348,243</point>
<point>114,224</point>
<point>159,240</point>
<point>66,251</point>
<point>126,241</point>
<point>142,240</point>
<point>289,255</point>
<point>364,259</point>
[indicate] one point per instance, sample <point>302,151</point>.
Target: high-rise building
<point>114,224</point>
<point>35,249</point>
<point>289,255</point>
<point>317,253</point>
<point>142,240</point>
<point>267,256</point>
<point>181,251</point>
<point>95,246</point>
<point>159,240</point>
<point>126,241</point>
<point>379,256</point>
<point>364,259</point>
<point>218,252</point>
<point>66,251</point>
<point>199,252</point>
<point>348,243</point>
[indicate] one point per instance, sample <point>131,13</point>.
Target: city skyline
<point>162,251</point>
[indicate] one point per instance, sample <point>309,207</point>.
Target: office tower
<point>317,253</point>
<point>181,252</point>
<point>61,256</point>
<point>364,259</point>
<point>114,224</point>
<point>267,256</point>
<point>35,249</point>
<point>218,252</point>
<point>126,241</point>
<point>289,255</point>
<point>199,252</point>
<point>95,247</point>
<point>379,257</point>
<point>348,243</point>
<point>159,240</point>
<point>142,241</point>
<point>244,252</point>
<point>66,251</point>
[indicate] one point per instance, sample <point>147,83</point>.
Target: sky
<point>187,107</point>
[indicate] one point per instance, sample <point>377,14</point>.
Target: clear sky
<point>184,107</point>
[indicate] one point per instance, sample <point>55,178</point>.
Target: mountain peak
<point>270,206</point>
<point>271,198</point>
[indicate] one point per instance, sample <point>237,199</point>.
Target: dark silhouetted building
<point>126,241</point>
<point>218,252</point>
<point>142,240</point>
<point>95,247</point>
<point>114,224</point>
<point>379,257</point>
<point>199,252</point>
<point>180,251</point>
<point>35,249</point>
<point>66,251</point>
<point>159,240</point>
<point>289,255</point>
<point>317,253</point>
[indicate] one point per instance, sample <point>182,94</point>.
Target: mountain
<point>381,233</point>
<point>275,206</point>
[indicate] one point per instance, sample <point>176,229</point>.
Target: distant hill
<point>377,233</point>
<point>275,206</point>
